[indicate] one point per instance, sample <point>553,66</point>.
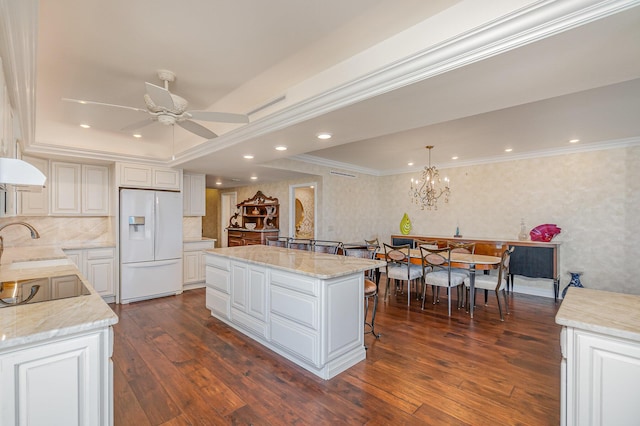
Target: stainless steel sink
<point>21,292</point>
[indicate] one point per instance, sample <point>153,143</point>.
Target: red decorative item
<point>544,232</point>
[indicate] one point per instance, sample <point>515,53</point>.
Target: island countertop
<point>615,314</point>
<point>36,322</point>
<point>318,265</point>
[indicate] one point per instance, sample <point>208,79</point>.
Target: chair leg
<point>506,301</point>
<point>499,306</point>
<point>424,292</point>
<point>449,299</point>
<point>373,315</point>
<point>486,297</point>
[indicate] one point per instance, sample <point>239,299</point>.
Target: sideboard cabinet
<point>257,219</point>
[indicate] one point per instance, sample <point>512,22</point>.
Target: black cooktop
<point>34,290</point>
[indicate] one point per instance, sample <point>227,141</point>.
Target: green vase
<point>405,225</point>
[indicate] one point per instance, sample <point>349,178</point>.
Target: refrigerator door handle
<point>153,264</point>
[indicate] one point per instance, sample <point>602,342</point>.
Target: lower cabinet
<point>249,298</point>
<point>600,379</point>
<point>193,263</point>
<point>98,266</point>
<point>63,381</point>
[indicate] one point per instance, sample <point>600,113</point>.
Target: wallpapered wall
<point>593,196</point>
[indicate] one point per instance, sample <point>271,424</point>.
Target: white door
<point>228,203</point>
<point>168,239</point>
<point>137,225</point>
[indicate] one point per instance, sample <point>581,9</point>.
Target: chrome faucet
<point>34,233</point>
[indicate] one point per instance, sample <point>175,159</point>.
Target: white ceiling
<point>234,56</point>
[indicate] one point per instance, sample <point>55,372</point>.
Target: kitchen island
<point>55,356</point>
<point>305,306</point>
<point>600,370</point>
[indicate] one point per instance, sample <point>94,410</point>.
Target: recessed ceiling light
<point>248,157</point>
<point>235,180</point>
<point>254,177</point>
<point>281,148</point>
<point>409,164</point>
<point>455,157</point>
<point>324,136</point>
<point>508,150</point>
<point>574,141</point>
<point>218,183</point>
<point>137,135</point>
<point>85,126</point>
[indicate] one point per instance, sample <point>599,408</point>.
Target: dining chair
<point>437,272</point>
<point>323,246</point>
<point>400,268</point>
<point>277,241</point>
<point>492,282</point>
<point>462,247</point>
<point>299,244</point>
<point>372,244</point>
<point>371,283</point>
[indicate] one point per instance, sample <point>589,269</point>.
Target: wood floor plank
<point>174,364</point>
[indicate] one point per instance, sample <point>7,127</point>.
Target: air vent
<point>342,174</point>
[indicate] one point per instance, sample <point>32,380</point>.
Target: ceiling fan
<point>169,109</point>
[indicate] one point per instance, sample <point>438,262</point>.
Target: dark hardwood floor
<point>174,364</point>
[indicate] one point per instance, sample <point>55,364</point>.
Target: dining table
<point>472,262</point>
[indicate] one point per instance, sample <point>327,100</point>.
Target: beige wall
<point>593,196</point>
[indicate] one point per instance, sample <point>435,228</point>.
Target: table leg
<point>472,287</point>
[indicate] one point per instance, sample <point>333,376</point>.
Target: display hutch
<point>256,219</point>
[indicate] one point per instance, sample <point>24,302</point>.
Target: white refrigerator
<point>150,244</point>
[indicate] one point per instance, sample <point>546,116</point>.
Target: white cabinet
<point>98,266</point>
<point>249,298</point>
<point>218,280</point>
<point>36,203</point>
<point>78,189</point>
<point>600,368</point>
<point>65,188</point>
<point>95,190</point>
<point>193,263</point>
<point>61,381</point>
<point>194,194</point>
<point>601,379</point>
<point>131,175</point>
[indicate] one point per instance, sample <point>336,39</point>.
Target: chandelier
<point>426,191</point>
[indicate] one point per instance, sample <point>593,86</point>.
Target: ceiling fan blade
<point>160,96</point>
<point>223,117</point>
<point>196,128</point>
<point>137,125</point>
<point>80,101</point>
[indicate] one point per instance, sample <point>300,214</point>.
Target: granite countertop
<point>318,265</point>
<point>34,322</point>
<point>615,314</point>
<point>198,239</point>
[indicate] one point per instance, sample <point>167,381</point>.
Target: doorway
<point>302,214</point>
<point>228,201</point>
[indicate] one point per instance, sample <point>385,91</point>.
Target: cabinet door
<point>95,190</point>
<point>65,187</point>
<point>100,271</point>
<point>59,383</point>
<point>194,190</point>
<point>186,195</point>
<point>36,203</point>
<point>191,265</point>
<point>257,293</point>
<point>76,256</point>
<point>166,178</point>
<point>607,372</point>
<point>134,175</point>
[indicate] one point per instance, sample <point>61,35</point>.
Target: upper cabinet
<point>78,189</point>
<point>35,203</point>
<point>193,194</point>
<point>131,175</point>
